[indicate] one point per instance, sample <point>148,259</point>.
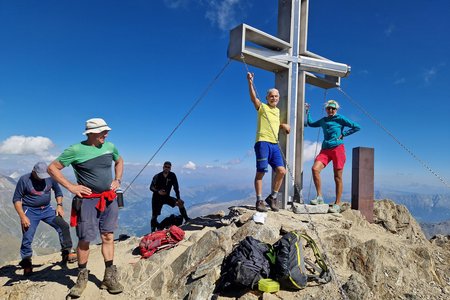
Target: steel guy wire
<point>194,105</point>
<point>409,151</point>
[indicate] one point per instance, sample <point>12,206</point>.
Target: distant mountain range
<point>425,208</point>
<point>431,211</point>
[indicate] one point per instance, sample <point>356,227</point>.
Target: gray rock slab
<point>308,208</point>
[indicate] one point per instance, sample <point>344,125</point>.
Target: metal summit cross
<point>294,66</point>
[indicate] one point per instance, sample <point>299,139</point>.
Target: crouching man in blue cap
<point>32,202</point>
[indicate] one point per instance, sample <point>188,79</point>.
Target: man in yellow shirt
<point>266,146</point>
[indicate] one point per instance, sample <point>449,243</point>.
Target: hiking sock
<point>82,266</point>
<point>274,194</point>
<point>259,198</point>
<point>108,263</point>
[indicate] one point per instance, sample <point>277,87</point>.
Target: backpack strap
<point>319,259</point>
<point>320,266</point>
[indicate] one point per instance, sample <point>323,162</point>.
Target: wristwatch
<point>59,204</point>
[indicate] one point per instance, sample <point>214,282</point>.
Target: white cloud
<point>234,161</point>
<point>400,81</point>
<point>27,145</point>
<point>222,13</point>
<point>190,166</point>
<point>310,150</point>
<point>363,72</point>
<point>389,30</point>
<point>429,74</point>
<point>176,3</point>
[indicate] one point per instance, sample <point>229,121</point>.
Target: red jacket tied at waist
<point>109,195</point>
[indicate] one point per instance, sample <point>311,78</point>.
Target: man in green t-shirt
<point>94,204</point>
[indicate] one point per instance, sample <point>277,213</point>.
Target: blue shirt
<point>333,128</point>
<point>35,193</point>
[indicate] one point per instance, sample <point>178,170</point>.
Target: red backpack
<point>161,239</point>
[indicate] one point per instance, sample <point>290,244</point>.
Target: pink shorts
<point>336,154</point>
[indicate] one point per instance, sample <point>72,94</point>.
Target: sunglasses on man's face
<point>332,108</point>
<point>166,167</point>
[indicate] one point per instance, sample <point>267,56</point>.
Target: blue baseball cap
<point>40,169</point>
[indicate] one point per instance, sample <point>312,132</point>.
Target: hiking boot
<point>82,281</point>
<point>110,281</point>
<point>273,203</point>
<point>260,206</point>
<point>318,200</point>
<point>334,209</point>
<point>27,266</point>
<point>68,257</point>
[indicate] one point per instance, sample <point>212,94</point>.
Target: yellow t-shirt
<point>268,124</point>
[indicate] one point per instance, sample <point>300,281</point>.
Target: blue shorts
<point>91,221</point>
<point>267,154</point>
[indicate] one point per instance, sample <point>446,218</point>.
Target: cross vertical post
<point>287,56</point>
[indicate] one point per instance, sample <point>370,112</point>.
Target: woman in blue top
<point>332,149</point>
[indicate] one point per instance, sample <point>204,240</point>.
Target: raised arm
<point>308,121</point>
<point>251,90</point>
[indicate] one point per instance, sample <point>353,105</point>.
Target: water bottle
<point>119,194</point>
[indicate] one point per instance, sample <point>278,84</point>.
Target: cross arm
<point>258,48</point>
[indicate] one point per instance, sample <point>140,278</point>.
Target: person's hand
<point>115,184</point>
<point>307,106</point>
<point>341,137</point>
<point>25,222</point>
<point>60,211</point>
<point>250,77</point>
<point>180,203</point>
<point>162,192</point>
<point>80,190</point>
<point>286,128</point>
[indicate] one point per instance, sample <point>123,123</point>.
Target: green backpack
<point>292,269</point>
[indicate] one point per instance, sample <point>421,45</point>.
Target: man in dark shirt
<point>32,202</point>
<point>161,186</point>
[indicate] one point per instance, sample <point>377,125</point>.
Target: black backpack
<point>290,269</point>
<point>246,264</point>
<point>169,221</point>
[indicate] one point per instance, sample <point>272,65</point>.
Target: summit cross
<point>286,55</point>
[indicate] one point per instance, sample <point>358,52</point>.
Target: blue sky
<point>141,65</point>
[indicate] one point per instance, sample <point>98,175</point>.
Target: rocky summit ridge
<point>388,259</point>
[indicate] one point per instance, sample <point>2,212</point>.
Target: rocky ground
<point>389,259</point>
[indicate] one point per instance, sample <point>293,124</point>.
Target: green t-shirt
<point>92,165</point>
